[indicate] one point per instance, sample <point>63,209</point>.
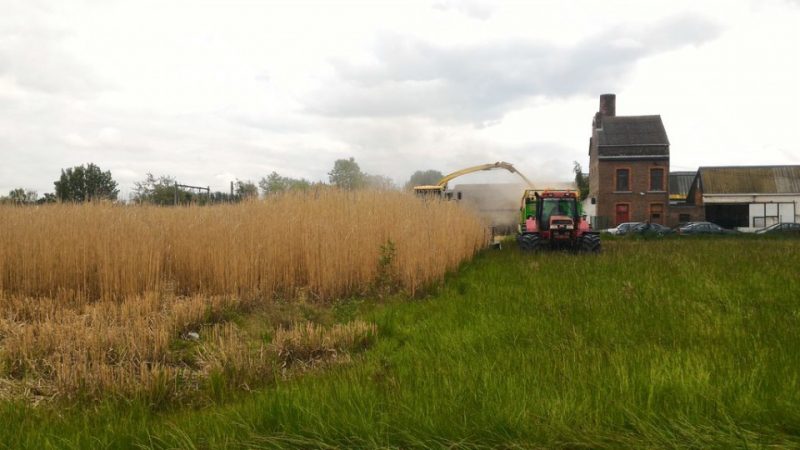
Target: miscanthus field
<point>367,320</point>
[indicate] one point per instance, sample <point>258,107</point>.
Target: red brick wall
<point>639,197</point>
<point>695,213</point>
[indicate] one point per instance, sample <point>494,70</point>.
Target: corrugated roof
<point>680,182</point>
<point>632,130</point>
<point>750,179</point>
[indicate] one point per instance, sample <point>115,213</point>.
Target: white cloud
<point>480,10</point>
<point>482,82</point>
<point>209,93</point>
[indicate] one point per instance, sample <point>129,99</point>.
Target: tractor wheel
<point>529,242</point>
<point>590,243</point>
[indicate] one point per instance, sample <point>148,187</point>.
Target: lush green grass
<point>663,343</point>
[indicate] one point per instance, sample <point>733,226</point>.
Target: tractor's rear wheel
<point>590,243</point>
<point>529,242</point>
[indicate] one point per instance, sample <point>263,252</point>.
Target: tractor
<point>553,219</point>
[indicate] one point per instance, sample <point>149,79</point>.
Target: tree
<point>581,181</point>
<point>379,182</point>
<point>272,183</point>
<point>85,184</point>
<point>222,197</point>
<point>47,197</point>
<point>20,196</point>
<point>275,183</point>
<point>423,178</point>
<point>246,189</point>
<point>346,174</point>
<point>159,190</point>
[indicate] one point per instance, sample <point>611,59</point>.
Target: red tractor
<point>554,219</point>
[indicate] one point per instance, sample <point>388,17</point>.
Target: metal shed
<point>748,197</point>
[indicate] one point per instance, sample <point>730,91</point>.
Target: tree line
<point>88,182</point>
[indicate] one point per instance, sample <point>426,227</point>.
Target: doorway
<point>623,213</point>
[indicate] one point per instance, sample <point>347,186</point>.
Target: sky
<point>214,91</point>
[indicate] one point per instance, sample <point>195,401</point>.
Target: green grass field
<point>687,343</point>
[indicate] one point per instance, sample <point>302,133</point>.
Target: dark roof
<point>680,182</point>
<point>632,130</point>
<point>632,136</point>
<point>750,180</point>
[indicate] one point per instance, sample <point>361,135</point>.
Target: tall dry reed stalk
<point>94,297</point>
<point>326,241</point>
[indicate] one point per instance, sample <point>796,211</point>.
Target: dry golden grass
<point>327,241</point>
<point>122,346</point>
<point>96,298</point>
<point>307,343</point>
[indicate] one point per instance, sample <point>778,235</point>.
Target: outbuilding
<point>747,197</point>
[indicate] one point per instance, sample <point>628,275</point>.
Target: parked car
<point>650,229</point>
<point>622,228</point>
<point>703,228</point>
<point>793,228</point>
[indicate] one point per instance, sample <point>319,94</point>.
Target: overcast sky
<point>209,92</point>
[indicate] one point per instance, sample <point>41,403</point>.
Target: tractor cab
<point>550,208</point>
<point>558,212</point>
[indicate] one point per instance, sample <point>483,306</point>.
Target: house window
<point>623,179</point>
<point>656,179</point>
<point>657,213</point>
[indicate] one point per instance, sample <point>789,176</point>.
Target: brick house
<point>628,168</point>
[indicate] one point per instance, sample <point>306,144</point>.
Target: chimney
<point>608,107</point>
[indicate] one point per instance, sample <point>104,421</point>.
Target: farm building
<point>747,197</point>
<point>679,184</point>
<point>628,168</point>
<point>679,210</point>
